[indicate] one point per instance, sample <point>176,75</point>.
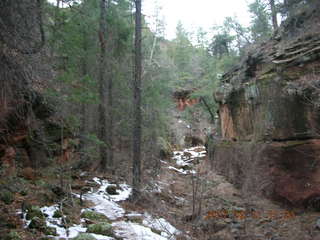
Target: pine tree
<point>136,186</point>
<point>102,85</point>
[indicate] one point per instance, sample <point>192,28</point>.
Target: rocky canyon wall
<point>270,118</point>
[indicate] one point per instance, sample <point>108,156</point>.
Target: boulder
<point>112,189</point>
<point>37,223</point>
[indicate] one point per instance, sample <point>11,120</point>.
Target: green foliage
<point>241,35</point>
<point>13,235</point>
<point>6,196</point>
<point>261,27</point>
<point>94,139</point>
<point>220,45</point>
<point>57,214</point>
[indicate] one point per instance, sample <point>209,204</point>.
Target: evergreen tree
<point>260,24</point>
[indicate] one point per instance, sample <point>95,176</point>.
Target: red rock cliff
<point>270,118</point>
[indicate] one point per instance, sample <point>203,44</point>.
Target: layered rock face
<point>270,117</point>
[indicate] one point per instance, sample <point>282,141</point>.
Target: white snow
<point>134,214</point>
<point>101,237</point>
<point>186,158</point>
<point>162,225</point>
<point>105,203</point>
<point>123,193</point>
<point>179,170</point>
<point>134,231</point>
<point>57,223</point>
<point>105,206</point>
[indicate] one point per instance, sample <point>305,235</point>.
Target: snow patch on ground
<point>162,225</point>
<point>107,204</point>
<point>186,158</point>
<point>179,170</point>
<point>134,231</point>
<point>103,204</point>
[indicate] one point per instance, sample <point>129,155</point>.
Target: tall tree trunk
<point>137,106</point>
<point>109,110</point>
<point>84,115</point>
<point>102,87</point>
<point>274,15</point>
<point>110,121</point>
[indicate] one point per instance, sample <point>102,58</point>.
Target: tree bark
<point>110,112</point>
<point>136,186</point>
<point>110,121</point>
<point>102,87</point>
<point>18,32</point>
<point>84,115</point>
<point>274,15</point>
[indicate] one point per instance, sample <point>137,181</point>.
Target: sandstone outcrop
<point>270,116</point>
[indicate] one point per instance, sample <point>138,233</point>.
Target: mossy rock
<point>156,231</point>
<point>101,228</point>
<point>13,235</point>
<point>34,211</point>
<point>84,236</point>
<point>7,197</point>
<point>40,225</point>
<point>94,216</point>
<point>112,190</point>
<point>37,223</point>
<point>57,214</point>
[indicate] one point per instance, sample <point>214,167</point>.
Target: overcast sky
<point>194,14</point>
